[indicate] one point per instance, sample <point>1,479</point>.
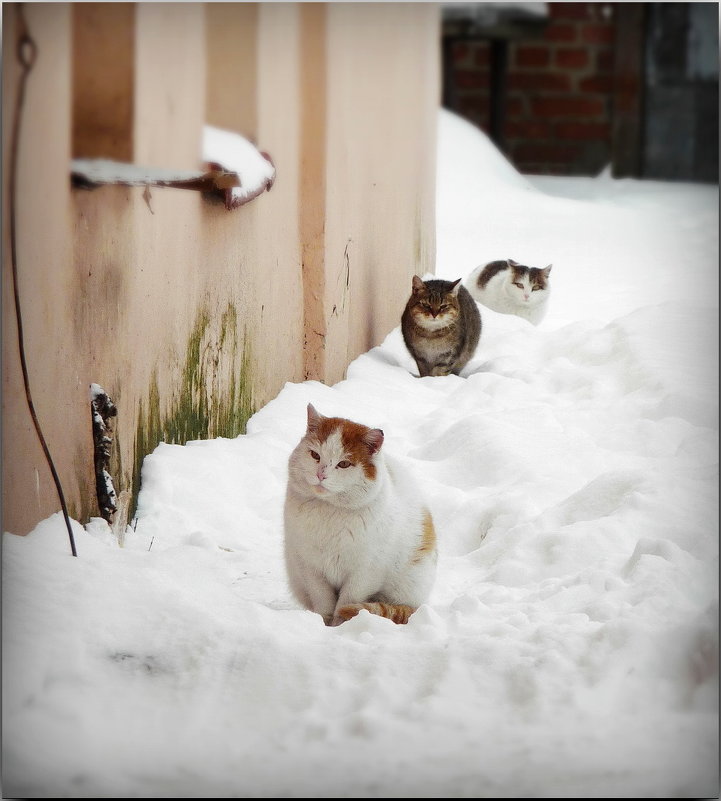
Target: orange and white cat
<point>356,534</point>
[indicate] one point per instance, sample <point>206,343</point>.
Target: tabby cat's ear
<point>418,284</point>
<point>314,418</point>
<point>456,287</point>
<point>373,438</point>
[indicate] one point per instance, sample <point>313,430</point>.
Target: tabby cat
<point>356,534</point>
<point>441,326</point>
<point>512,288</point>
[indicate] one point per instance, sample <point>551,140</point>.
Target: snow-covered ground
<point>570,647</point>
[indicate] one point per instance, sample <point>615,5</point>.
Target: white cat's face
<point>326,466</point>
<point>527,286</point>
<point>335,461</point>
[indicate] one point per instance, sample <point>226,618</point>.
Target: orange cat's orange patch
<point>355,439</point>
<point>398,613</point>
<point>428,539</point>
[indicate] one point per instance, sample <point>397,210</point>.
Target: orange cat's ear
<point>512,263</point>
<point>313,418</point>
<point>417,284</point>
<point>547,270</point>
<point>373,438</point>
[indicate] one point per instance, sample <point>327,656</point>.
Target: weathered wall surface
<point>44,246</point>
<point>188,315</point>
<point>380,172</point>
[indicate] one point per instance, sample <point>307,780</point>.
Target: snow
<point>570,647</point>
<point>96,391</point>
<point>236,154</point>
<point>108,171</point>
<point>231,151</point>
<point>489,14</point>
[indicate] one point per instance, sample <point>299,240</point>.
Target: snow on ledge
<point>233,153</point>
<point>238,172</point>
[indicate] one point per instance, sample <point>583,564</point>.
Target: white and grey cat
<point>356,534</point>
<point>512,288</point>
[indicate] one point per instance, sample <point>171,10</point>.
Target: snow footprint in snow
<point>601,497</point>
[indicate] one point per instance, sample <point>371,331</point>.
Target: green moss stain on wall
<point>148,434</point>
<point>214,396</point>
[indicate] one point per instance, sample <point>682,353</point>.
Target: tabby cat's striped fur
<point>441,326</point>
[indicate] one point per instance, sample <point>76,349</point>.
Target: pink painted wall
<point>181,300</point>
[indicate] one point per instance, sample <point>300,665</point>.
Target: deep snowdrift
<point>570,647</point>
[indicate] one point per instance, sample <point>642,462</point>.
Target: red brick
<point>583,130</point>
<point>597,33</point>
<point>597,83</point>
<point>560,32</point>
<point>515,107</point>
<point>459,53</point>
<point>570,10</point>
<point>471,79</point>
<point>531,56</point>
<point>604,61</point>
<point>528,129</point>
<point>473,108</point>
<point>545,152</point>
<point>481,56</point>
<point>568,106</point>
<point>539,81</point>
<point>571,58</point>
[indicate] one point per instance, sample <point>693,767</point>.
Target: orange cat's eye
<point>518,284</point>
<point>535,288</point>
<point>345,463</point>
<point>315,455</point>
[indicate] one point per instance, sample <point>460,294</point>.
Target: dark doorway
<point>681,92</point>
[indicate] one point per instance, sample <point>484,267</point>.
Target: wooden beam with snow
<point>224,184</point>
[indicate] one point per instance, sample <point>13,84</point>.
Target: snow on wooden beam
<point>237,173</point>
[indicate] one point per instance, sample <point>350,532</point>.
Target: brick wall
<point>559,91</point>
